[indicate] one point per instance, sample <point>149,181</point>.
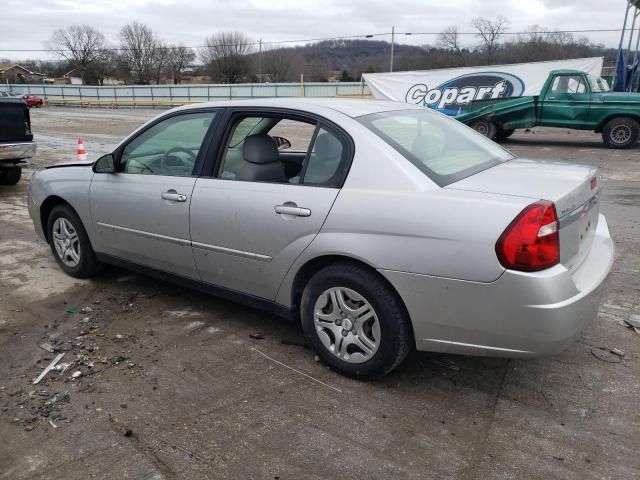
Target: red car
<point>32,100</point>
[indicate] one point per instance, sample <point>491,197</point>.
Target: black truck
<point>16,139</point>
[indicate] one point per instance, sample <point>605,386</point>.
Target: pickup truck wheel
<point>355,322</point>
<point>10,175</point>
<point>504,133</point>
<point>621,132</point>
<point>70,244</point>
<point>485,127</point>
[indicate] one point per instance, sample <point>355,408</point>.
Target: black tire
<point>10,175</point>
<point>395,332</point>
<point>503,133</point>
<point>621,132</point>
<point>87,265</point>
<point>485,127</point>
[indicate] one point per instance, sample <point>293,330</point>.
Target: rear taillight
<point>532,241</point>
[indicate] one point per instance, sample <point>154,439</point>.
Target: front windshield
<point>598,84</point>
<point>443,148</point>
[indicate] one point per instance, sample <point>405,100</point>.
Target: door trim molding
<point>187,243</point>
<point>140,233</point>
<point>231,251</point>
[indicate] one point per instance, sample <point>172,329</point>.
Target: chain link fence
<point>162,96</point>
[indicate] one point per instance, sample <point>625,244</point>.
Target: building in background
<point>13,73</point>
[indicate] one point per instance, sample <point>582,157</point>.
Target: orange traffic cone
<point>82,153</point>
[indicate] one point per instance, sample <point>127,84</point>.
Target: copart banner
<point>451,89</point>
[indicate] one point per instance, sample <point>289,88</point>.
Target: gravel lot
<point>177,384</point>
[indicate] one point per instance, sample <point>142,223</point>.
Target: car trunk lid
<point>574,190</point>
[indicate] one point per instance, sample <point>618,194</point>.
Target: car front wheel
<point>70,244</point>
<point>355,321</point>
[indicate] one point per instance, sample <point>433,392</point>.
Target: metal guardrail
<point>152,96</point>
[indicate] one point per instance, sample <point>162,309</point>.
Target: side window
<point>266,149</point>
<point>278,149</point>
<point>298,134</point>
<point>169,147</point>
<point>323,166</point>
<point>568,84</point>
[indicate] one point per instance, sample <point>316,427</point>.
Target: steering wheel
<point>142,165</point>
<point>167,154</point>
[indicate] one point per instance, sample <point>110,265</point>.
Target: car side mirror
<point>282,143</point>
<point>105,164</point>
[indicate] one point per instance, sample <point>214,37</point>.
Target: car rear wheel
<point>10,175</point>
<point>70,244</point>
<point>621,132</point>
<point>485,127</point>
<point>503,133</point>
<point>355,321</point>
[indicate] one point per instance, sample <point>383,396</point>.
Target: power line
<point>323,39</point>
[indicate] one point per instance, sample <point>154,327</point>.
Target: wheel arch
<point>45,210</point>
<point>600,127</point>
<point>314,265</point>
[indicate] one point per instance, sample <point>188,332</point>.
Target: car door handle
<point>173,196</point>
<point>293,210</point>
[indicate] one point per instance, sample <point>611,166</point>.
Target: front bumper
<point>518,315</point>
<point>17,151</point>
<point>34,202</point>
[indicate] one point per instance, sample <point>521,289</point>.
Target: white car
<point>380,226</point>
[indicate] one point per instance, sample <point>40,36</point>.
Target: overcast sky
<point>28,25</point>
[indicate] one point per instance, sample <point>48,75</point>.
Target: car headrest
<point>260,148</point>
<point>328,146</point>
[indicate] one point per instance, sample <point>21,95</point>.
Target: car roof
<point>566,71</point>
<point>352,107</point>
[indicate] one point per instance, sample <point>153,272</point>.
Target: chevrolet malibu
<point>380,226</point>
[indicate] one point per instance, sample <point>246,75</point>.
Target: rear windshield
<point>443,148</point>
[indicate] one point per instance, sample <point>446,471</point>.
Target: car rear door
<point>246,234</point>
<point>141,212</point>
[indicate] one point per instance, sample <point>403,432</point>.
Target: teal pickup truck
<point>568,99</point>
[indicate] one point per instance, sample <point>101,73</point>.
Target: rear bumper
<point>17,151</point>
<point>518,315</point>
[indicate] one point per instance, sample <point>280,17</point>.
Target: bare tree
<point>179,57</point>
<point>277,65</point>
<point>82,46</point>
<point>490,32</point>
<point>226,56</point>
<point>140,52</point>
<point>160,61</point>
<point>449,40</point>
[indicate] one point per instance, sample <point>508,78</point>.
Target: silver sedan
<point>380,226</point>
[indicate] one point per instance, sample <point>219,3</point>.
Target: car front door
<point>567,102</point>
<point>252,219</point>
<point>141,212</point>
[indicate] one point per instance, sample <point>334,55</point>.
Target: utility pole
<point>393,37</point>
<point>633,26</point>
<point>260,61</point>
